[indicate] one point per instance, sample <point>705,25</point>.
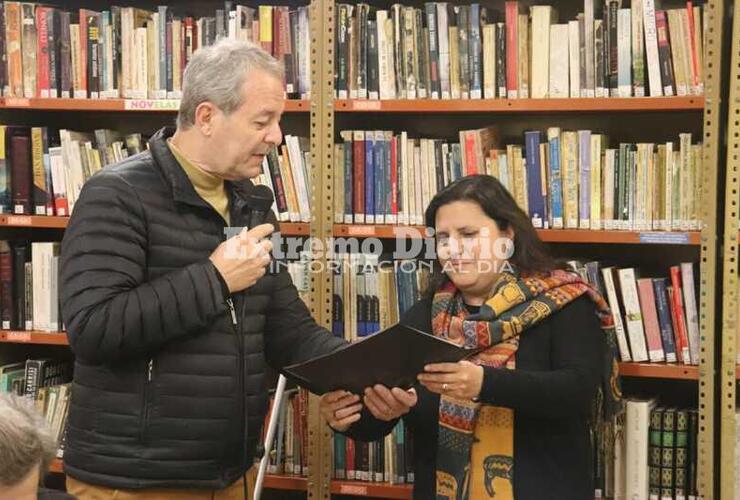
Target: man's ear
<point>205,114</point>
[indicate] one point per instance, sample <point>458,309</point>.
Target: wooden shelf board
<point>120,105</point>
<point>41,221</point>
<point>375,490</point>
<point>296,483</point>
<point>33,337</point>
<point>33,221</point>
<point>658,370</point>
<point>614,104</point>
<point>547,235</point>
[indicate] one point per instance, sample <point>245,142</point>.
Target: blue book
<point>104,64</point>
<point>379,169</point>
<point>664,319</point>
<point>474,40</point>
<point>347,152</point>
<point>535,196</point>
<point>387,169</point>
<point>162,32</point>
<point>340,453</point>
<point>556,184</point>
<point>369,178</point>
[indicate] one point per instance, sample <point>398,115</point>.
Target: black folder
<point>392,357</point>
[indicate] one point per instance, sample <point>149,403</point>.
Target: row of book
<point>656,319</point>
<point>135,53</point>
<point>648,451</point>
<point>562,179</point>
<point>42,171</point>
<point>45,382</point>
<point>289,453</point>
<point>452,51</point>
<point>388,460</point>
<point>370,294</point>
<point>29,286</point>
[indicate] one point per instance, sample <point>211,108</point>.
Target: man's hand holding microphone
<point>243,259</point>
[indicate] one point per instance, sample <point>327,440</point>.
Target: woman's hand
<point>340,409</point>
<point>461,380</point>
<point>389,404</point>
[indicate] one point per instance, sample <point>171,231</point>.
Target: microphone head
<point>260,198</point>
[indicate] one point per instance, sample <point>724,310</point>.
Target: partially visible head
<point>231,106</point>
<point>474,219</point>
<point>26,448</point>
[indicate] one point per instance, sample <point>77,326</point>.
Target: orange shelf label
<point>19,220</point>
<point>366,105</point>
<point>17,102</point>
<point>19,336</point>
<point>352,489</point>
<point>361,230</point>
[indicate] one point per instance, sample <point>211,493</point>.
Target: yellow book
<point>659,214</point>
<point>569,174</point>
<point>687,180</point>
<point>39,174</point>
<point>696,166</point>
<point>286,172</point>
<point>265,15</point>
<point>454,63</point>
<point>596,153</point>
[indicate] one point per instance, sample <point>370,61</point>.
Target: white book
<point>596,149</point>
<point>443,33</point>
<point>299,181</point>
<point>624,52</point>
<point>559,63</point>
<point>620,456</point>
<point>588,13</point>
<point>574,58</point>
<point>542,18</point>
<point>637,423</point>
<point>385,56</point>
<point>668,175</point>
<point>380,138</point>
<point>418,173</point>
<point>638,48</point>
<point>59,186</point>
<point>404,179</point>
<point>687,180</point>
<point>611,295</point>
<point>489,61</point>
<point>651,48</point>
<point>633,314</point>
<point>691,310</point>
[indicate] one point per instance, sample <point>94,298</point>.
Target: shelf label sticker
<point>362,105</point>
<point>17,102</point>
<point>666,238</point>
<point>19,336</point>
<point>361,230</point>
<point>352,489</point>
<point>19,220</point>
<point>151,104</point>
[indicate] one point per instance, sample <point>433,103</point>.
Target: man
<point>171,325</point>
<point>26,450</point>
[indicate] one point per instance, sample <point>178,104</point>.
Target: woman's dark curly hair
<point>530,255</point>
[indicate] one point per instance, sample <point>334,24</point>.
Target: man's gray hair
<point>217,73</point>
<point>25,441</point>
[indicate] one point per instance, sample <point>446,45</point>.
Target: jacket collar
<point>182,189</point>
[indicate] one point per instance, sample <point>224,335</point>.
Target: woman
<point>513,422</point>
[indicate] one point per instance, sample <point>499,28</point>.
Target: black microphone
<point>260,200</point>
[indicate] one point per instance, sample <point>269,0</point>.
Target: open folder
<point>392,357</point>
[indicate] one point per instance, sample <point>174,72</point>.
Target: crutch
<point>270,436</point>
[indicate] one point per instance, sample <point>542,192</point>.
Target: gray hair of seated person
<point>25,440</point>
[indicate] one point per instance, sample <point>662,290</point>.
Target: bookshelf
<point>118,105</point>
<point>575,105</point>
<point>729,369</point>
<point>324,112</point>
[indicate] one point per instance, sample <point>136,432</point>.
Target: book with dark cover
<point>463,47</point>
<point>4,88</point>
<point>18,154</point>
<point>664,53</point>
<point>373,83</point>
<point>65,55</point>
<point>93,62</point>
<point>501,60</point>
<point>6,286</point>
<point>435,88</point>
<point>398,353</point>
<point>20,256</point>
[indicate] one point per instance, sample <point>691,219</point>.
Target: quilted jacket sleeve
<point>110,309</point>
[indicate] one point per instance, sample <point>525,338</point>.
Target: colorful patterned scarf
<point>475,454</point>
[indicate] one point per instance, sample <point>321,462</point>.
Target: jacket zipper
<point>147,384</point>
<point>240,380</point>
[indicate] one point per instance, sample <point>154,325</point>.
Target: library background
<point>614,123</point>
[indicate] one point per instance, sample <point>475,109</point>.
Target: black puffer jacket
<point>167,392</point>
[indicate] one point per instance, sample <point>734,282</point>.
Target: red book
<point>679,318</point>
<point>650,319</point>
<point>471,158</point>
<point>512,48</point>
<point>349,459</point>
<point>42,52</point>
